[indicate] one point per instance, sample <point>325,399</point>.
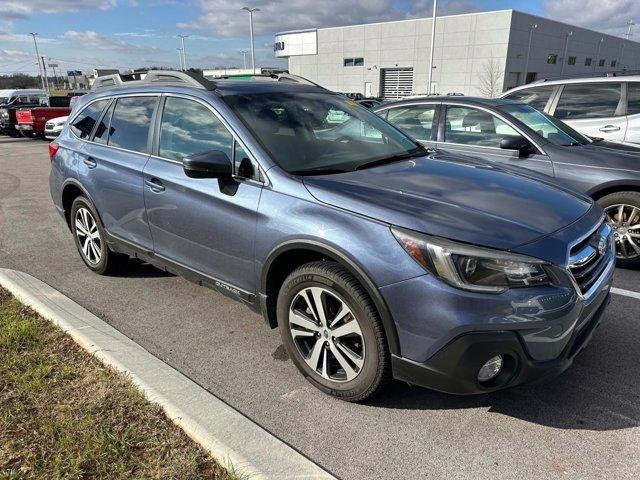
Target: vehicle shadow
<point>135,268</point>
<point>600,391</point>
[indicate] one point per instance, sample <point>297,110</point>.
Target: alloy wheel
<point>626,222</point>
<point>327,334</point>
<point>88,236</point>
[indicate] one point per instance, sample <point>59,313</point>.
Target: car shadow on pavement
<point>138,269</point>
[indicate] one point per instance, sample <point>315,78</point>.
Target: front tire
<point>623,209</point>
<point>332,331</point>
<point>90,239</point>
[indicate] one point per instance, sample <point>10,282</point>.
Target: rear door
<point>476,131</point>
<point>594,109</point>
<point>112,164</point>
<point>204,224</point>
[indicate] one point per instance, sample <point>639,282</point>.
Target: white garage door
<point>397,82</point>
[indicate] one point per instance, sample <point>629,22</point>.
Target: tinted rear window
<point>130,123</point>
<point>633,98</point>
<point>588,100</point>
<point>83,124</point>
<point>537,97</point>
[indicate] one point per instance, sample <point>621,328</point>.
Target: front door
<point>204,224</point>
<point>478,132</point>
<point>416,120</point>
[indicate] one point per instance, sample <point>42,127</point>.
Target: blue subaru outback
<point>375,258</point>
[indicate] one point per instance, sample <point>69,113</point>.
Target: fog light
<point>491,369</point>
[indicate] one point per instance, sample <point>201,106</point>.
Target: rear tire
<point>623,209</point>
<point>342,350</point>
<point>90,239</point>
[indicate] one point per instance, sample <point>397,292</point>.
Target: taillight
<point>53,149</point>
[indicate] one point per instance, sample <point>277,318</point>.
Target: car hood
<point>454,197</point>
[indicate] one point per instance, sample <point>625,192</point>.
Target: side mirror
<point>211,164</point>
<point>513,142</point>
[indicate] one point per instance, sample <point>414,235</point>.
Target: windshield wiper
<point>320,171</point>
<point>391,159</point>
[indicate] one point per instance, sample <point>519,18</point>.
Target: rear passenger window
<point>588,100</point>
<point>633,98</point>
<point>83,124</point>
<point>414,120</point>
<point>537,97</point>
<point>130,123</point>
<point>189,127</point>
<point>102,134</point>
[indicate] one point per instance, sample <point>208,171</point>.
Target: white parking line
<point>626,293</point>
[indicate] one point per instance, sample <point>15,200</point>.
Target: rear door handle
<point>90,162</point>
<point>155,185</point>
<point>609,128</point>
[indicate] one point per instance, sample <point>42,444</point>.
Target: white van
<point>605,107</point>
<point>26,95</point>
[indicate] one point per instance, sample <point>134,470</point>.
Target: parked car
<point>11,102</point>
<point>53,127</point>
<point>515,134</point>
<point>606,107</point>
<point>374,259</point>
<point>32,122</point>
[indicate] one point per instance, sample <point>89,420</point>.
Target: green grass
<point>64,415</point>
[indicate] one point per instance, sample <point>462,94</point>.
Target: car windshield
<point>549,128</point>
<point>320,133</point>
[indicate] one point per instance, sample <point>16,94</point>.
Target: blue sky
<point>83,34</point>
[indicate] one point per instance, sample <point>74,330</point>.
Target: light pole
<point>253,56</point>
<point>184,52</point>
<point>564,56</point>
<point>180,58</point>
<point>244,58</point>
<point>33,34</point>
<point>598,53</point>
<point>532,27</point>
<point>629,34</point>
<point>433,41</point>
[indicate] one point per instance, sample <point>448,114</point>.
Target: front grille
<point>588,260</point>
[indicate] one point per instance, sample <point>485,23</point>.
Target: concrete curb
<point>226,433</point>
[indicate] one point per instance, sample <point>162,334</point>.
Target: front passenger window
<point>188,127</point>
<point>415,120</point>
<point>471,126</point>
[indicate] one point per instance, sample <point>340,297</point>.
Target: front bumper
<point>454,369</point>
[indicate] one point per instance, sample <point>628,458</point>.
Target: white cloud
<point>94,41</point>
<point>609,16</point>
<point>14,9</point>
<point>225,17</point>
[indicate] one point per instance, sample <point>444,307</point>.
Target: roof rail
<point>278,77</point>
<point>151,77</point>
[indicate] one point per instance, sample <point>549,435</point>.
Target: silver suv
<point>604,107</point>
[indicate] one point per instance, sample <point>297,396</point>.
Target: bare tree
<point>491,78</point>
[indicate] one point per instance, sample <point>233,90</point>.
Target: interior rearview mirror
<point>516,142</point>
<point>211,164</point>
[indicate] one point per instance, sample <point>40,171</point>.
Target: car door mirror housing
<point>513,142</point>
<point>211,164</point>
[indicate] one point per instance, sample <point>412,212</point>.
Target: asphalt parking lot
<point>584,424</point>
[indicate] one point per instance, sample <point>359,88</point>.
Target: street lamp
<point>433,41</point>
<point>532,27</point>
<point>598,53</point>
<point>253,56</point>
<point>564,56</point>
<point>244,58</point>
<point>33,34</point>
<point>184,52</point>
<point>180,58</point>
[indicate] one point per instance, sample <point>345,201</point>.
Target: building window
<point>613,63</point>
<point>571,61</point>
<point>354,62</point>
<point>552,58</point>
<point>531,77</point>
<point>601,62</point>
<point>587,62</point>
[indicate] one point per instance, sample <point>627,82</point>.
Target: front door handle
<point>155,185</point>
<point>90,162</point>
<point>609,128</point>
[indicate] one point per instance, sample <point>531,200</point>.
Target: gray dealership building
<point>474,54</point>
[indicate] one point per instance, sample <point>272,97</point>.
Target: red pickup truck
<point>31,121</point>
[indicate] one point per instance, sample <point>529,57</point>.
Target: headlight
<point>472,268</point>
